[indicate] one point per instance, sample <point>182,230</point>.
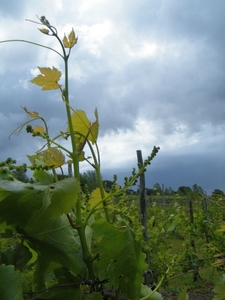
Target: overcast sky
<point>154,69</point>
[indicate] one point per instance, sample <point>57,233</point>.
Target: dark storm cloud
<point>195,21</point>
<point>177,20</point>
<point>175,170</point>
<point>194,81</point>
<point>12,9</point>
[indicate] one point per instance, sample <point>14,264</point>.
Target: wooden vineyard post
<point>204,204</point>
<point>143,211</point>
<point>195,273</point>
<point>191,219</point>
<point>70,171</point>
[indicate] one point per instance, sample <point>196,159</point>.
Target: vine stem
<point>159,284</point>
<point>100,183</point>
<point>87,257</point>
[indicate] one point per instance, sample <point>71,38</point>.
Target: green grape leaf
<point>63,198</point>
<point>219,288</point>
<point>4,194</point>
<point>18,256</point>
<point>50,157</point>
<point>56,246</point>
<point>43,177</point>
<point>10,283</point>
<point>21,202</point>
<point>35,201</point>
<point>147,294</point>
<point>183,295</point>
<point>120,257</point>
<point>48,79</point>
<point>6,230</point>
<point>34,211</point>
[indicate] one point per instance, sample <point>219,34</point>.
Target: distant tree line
<point>181,191</point>
<point>90,180</point>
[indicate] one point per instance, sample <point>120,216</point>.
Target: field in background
<point>184,236</point>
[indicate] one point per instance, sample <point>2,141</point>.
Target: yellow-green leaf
<point>85,130</point>
<point>81,156</point>
<point>50,157</point>
<point>96,198</point>
<point>44,30</point>
<point>48,78</point>
<point>222,228</point>
<point>32,114</point>
<point>71,40</point>
<point>94,131</point>
<point>39,129</point>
